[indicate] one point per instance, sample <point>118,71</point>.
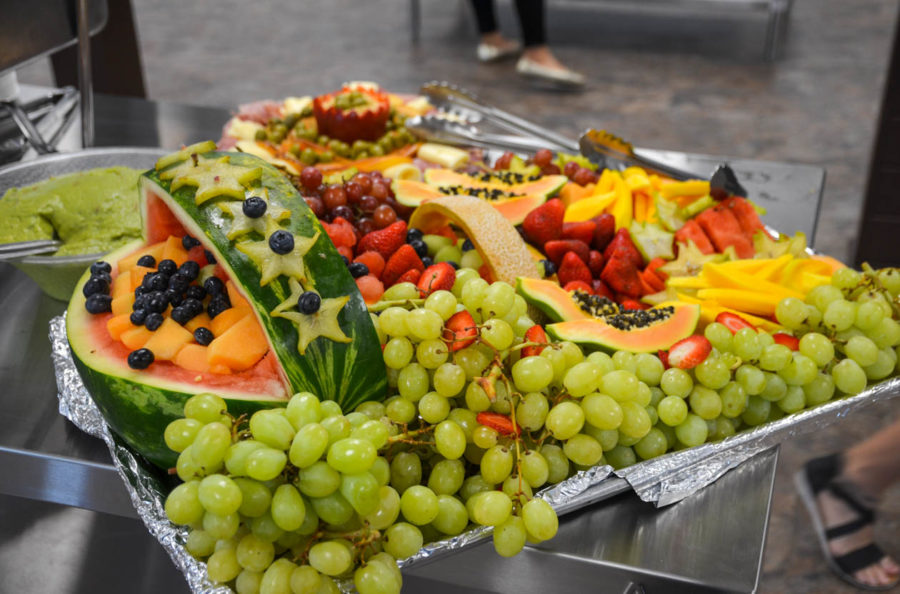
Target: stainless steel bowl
<point>57,276</point>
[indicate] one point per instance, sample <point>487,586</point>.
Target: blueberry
<point>167,267</point>
<point>194,306</point>
<point>138,316</point>
<point>426,261</point>
<point>358,269</point>
<point>453,264</point>
<point>95,286</point>
<point>346,261</point>
<point>147,261</point>
<point>420,247</point>
<point>214,285</point>
<point>189,270</point>
<point>189,242</point>
<point>100,266</point>
<point>103,276</point>
<point>147,281</point>
<point>157,302</point>
<point>217,305</point>
<point>159,282</point>
<point>153,321</point>
<point>468,245</point>
<point>309,302</point>
<point>195,292</point>
<point>203,336</point>
<point>178,282</point>
<point>254,207</point>
<point>98,303</point>
<point>174,297</point>
<point>142,290</point>
<point>281,242</point>
<point>549,267</point>
<point>140,303</point>
<point>412,235</point>
<point>140,359</point>
<point>210,259</point>
<point>182,314</point>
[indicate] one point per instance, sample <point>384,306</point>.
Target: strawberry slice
<point>601,289</point>
<point>595,262</point>
<point>499,423</point>
<point>654,265</point>
<point>791,342</point>
<point>733,322</point>
<point>622,244</point>
<point>573,268</point>
<point>578,286</point>
<point>460,330</point>
<point>545,222</point>
<point>404,259</point>
<point>652,280</point>
<point>604,231</point>
<point>410,276</point>
<point>664,357</point>
<point>384,241</point>
<point>689,352</point>
<point>582,231</point>
<point>634,304</point>
<point>534,334</point>
<point>558,248</point>
<point>621,275</point>
<point>437,277</point>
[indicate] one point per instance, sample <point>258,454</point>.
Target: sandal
<point>816,476</point>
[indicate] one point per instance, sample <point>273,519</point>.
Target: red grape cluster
<point>544,159</point>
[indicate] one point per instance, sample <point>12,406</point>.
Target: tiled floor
<point>694,84</point>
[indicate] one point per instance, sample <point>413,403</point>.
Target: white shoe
<point>492,53</point>
<point>559,77</point>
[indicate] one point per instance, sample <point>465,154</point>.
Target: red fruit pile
<point>544,159</point>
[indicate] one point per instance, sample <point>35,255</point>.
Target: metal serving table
<point>711,542</point>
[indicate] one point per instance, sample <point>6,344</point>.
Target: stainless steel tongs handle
<point>441,129</point>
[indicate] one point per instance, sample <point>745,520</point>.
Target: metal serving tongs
<point>444,128</point>
<point>22,249</point>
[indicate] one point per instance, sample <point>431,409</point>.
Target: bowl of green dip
<point>88,199</point>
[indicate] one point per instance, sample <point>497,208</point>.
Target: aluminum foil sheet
<point>661,481</point>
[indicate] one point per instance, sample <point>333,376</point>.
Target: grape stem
<point>405,303</point>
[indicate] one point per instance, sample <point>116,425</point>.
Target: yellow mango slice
<point>588,208</point>
<point>747,301</point>
<point>692,187</point>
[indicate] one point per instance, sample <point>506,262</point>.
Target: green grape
<point>602,411</point>
<point>467,421</point>
<point>222,566</point>
<point>375,578</point>
<point>540,520</point>
<point>849,377</point>
<point>496,464</point>
<point>521,326</point>
<point>431,354</point>
<point>424,324</point>
<point>775,388</point>
<point>413,382</point>
<point>389,562</point>
<point>626,440</point>
<point>672,411</point>
<point>387,510</point>
<point>705,403</point>
<point>330,408</point>
<point>401,292</point>
<point>303,408</point>
<point>558,361</point>
<point>765,339</point>
<point>309,445</point>
<point>582,378</point>
<point>381,470</point>
<point>254,553</point>
<point>264,527</point>
<point>351,455</point>
<point>648,368</point>
<point>890,280</point>
<point>330,557</point>
<point>813,317</point>
<point>583,450</point>
<point>509,537</point>
<point>651,412</point>
<point>333,509</point>
<point>236,457</point>
<point>719,336</point>
<point>472,361</point>
<point>399,409</point>
<point>532,374</point>
<point>186,468</point>
<point>406,471</point>
<point>205,408</point>
<point>442,303</point>
<point>572,351</point>
<point>502,403</point>
<point>653,444</point>
<point>886,334</point>
<point>643,395</point>
<point>751,379</point>
<point>620,384</point>
<point>221,526</point>
<point>557,462</point>
<point>817,347</point>
<point>862,350</point>
<point>360,490</point>
<point>635,420</point>
<point>375,432</point>
<point>219,494</point>
<point>434,408</point>
<point>794,400</point>
<point>318,480</point>
<point>801,370</point>
<point>746,344</point>
<point>845,278</point>
<point>449,440</point>
<point>265,463</point>
<point>484,437</point>
<point>656,395</point>
<point>565,419</point>
<point>757,411</point>
<point>883,366</point>
<point>200,543</point>
<point>449,380</point>
<point>447,477</point>
<point>713,372</point>
<point>498,334</point>
<point>624,360</point>
<point>473,484</point>
<point>620,457</point>
<point>822,296</point>
<point>532,411</point>
<point>498,299</point>
<point>305,579</point>
<point>535,468</point>
<point>819,390</point>
<point>393,321</point>
<point>839,315</point>
<point>210,446</point>
<point>734,399</point>
<point>180,433</point>
<point>489,508</point>
<point>676,382</point>
<point>693,431</point>
<point>775,357</point>
<point>328,585</point>
<point>476,398</point>
<point>338,427</point>
<point>402,540</point>
<point>272,428</point>
<point>463,277</point>
<point>473,293</point>
<point>602,360</point>
<point>868,315</point>
<point>255,497</point>
<point>398,353</point>
<point>277,578</point>
<point>452,517</point>
<point>183,504</point>
<point>790,313</point>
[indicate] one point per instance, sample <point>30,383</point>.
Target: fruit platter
<point>335,346</point>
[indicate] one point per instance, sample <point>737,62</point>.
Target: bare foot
<point>836,512</point>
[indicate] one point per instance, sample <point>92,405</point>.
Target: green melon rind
<point>349,373</point>
<point>547,185</point>
<point>597,334</point>
<point>550,298</point>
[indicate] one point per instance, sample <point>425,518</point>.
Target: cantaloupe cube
<point>121,285</point>
<point>192,357</point>
<point>227,319</point>
<point>168,340</point>
<point>137,275</point>
<point>122,304</point>
<point>237,300</point>
<point>198,321</point>
<point>135,338</point>
<point>116,325</point>
<point>174,250</point>
<point>220,369</point>
<point>129,262</point>
<point>240,347</point>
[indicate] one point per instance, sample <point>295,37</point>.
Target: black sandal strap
<point>821,471</point>
<point>848,528</point>
<point>865,512</point>
<point>860,558</point>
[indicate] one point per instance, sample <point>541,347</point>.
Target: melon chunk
<point>122,304</point>
<point>199,321</point>
<point>174,250</point>
<point>129,262</point>
<point>239,347</point>
<point>193,357</point>
<point>137,275</point>
<point>121,285</point>
<point>227,319</point>
<point>119,324</point>
<point>168,340</point>
<point>236,298</point>
<point>135,338</point>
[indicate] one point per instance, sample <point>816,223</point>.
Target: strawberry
<point>622,275</point>
<point>410,276</point>
<point>404,259</point>
<point>604,231</point>
<point>664,357</point>
<point>573,268</point>
<point>595,262</point>
<point>460,330</point>
<point>601,289</point>
<point>733,322</point>
<point>582,231</point>
<point>791,342</point>
<point>558,248</point>
<point>341,232</point>
<point>634,304</point>
<point>384,241</point>
<point>345,251</point>
<point>545,222</point>
<point>373,261</point>
<point>499,423</point>
<point>689,352</point>
<point>623,244</point>
<point>534,334</point>
<point>578,285</point>
<point>655,283</point>
<point>654,265</point>
<point>437,277</point>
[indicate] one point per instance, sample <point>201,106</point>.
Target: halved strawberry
<point>652,280</point>
<point>633,304</point>
<point>410,276</point>
<point>604,231</point>
<point>534,334</point>
<point>579,286</point>
<point>573,268</point>
<point>689,352</point>
<point>582,231</point>
<point>499,423</point>
<point>601,289</point>
<point>654,265</point>
<point>733,322</point>
<point>373,261</point>
<point>404,259</point>
<point>384,241</point>
<point>460,330</point>
<point>545,222</point>
<point>621,275</point>
<point>791,342</point>
<point>595,262</point>
<point>664,357</point>
<point>558,248</point>
<point>622,244</point>
<point>437,277</point>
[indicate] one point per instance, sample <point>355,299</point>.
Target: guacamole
<point>90,211</point>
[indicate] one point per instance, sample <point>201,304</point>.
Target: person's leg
<point>486,19</point>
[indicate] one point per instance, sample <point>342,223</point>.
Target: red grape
<point>379,190</point>
<point>368,204</point>
<point>364,181</point>
<point>310,177</point>
<point>503,161</point>
<point>334,197</point>
<point>384,216</point>
<point>344,212</point>
<point>365,225</point>
<point>584,176</point>
<point>571,169</point>
<point>543,157</point>
<point>316,205</point>
<point>354,191</point>
<point>550,169</point>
